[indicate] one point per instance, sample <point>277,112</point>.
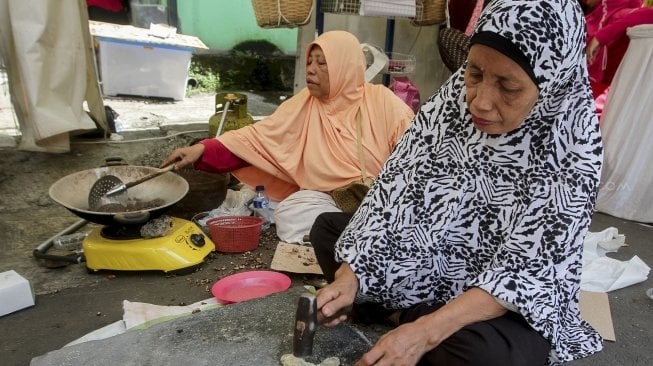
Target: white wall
<point>421,42</point>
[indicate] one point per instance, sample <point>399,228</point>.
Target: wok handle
<point>150,176</point>
<point>114,161</point>
<point>123,187</point>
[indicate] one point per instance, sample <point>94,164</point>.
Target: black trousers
<point>506,340</point>
<point>323,236</point>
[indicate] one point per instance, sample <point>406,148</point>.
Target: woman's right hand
<point>335,300</point>
<point>184,156</point>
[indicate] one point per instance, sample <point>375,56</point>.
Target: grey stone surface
<point>255,332</point>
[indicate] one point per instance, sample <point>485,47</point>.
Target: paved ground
<point>70,302</point>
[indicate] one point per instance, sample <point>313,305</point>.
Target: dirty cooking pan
<point>145,201</point>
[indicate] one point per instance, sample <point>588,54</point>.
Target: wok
<point>162,192</point>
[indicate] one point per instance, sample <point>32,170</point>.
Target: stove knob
<point>197,239</point>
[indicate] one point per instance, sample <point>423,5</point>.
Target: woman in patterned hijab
<point>474,227</point>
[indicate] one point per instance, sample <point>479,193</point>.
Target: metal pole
<point>319,18</point>
<point>389,43</point>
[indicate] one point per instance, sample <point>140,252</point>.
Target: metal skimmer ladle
<point>97,197</point>
<point>110,190</point>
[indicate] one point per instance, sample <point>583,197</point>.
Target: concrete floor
<point>71,302</point>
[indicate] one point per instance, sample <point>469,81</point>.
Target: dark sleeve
<point>217,158</point>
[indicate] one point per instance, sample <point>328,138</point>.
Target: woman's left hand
<point>592,50</point>
<point>404,345</point>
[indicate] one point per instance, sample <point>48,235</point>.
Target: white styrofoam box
<point>15,292</point>
<point>143,69</point>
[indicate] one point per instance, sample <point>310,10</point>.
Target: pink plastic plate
<point>249,285</point>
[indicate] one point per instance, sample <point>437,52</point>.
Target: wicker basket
<point>282,13</point>
<point>453,46</point>
<point>235,234</point>
<point>429,12</point>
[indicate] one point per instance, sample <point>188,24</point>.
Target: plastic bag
<point>236,203</point>
<point>406,90</point>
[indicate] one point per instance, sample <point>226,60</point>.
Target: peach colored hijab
<point>310,143</point>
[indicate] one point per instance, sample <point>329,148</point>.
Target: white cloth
<point>627,129</point>
<point>295,215</point>
<point>605,274</point>
<point>46,65</point>
<point>399,8</point>
<point>141,315</point>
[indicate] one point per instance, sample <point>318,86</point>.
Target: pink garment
<point>475,14</point>
<point>218,159</point>
<point>617,27</point>
<point>604,14</point>
<point>111,5</point>
<point>608,23</point>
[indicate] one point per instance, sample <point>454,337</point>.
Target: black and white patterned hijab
<point>455,208</point>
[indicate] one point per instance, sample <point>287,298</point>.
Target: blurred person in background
<point>607,41</point>
<point>109,11</point>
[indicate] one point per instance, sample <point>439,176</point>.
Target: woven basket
<point>282,13</point>
<point>429,12</point>
<point>453,46</point>
<point>235,234</point>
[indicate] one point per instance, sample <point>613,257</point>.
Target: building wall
<point>222,24</point>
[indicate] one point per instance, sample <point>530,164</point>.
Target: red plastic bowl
<point>249,285</point>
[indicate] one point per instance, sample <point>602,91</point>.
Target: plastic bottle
<point>70,241</point>
<point>261,203</point>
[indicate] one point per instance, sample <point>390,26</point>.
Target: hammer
<point>305,325</point>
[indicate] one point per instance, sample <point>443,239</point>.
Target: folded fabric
<point>140,315</point>
<point>115,328</point>
<point>399,8</point>
<point>604,274</point>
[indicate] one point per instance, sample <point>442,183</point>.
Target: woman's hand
<point>184,156</point>
<point>592,50</point>
<point>334,301</point>
<point>404,345</point>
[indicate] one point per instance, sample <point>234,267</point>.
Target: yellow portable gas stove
<point>118,243</point>
<point>123,248</point>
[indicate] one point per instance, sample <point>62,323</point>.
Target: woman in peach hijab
<point>309,147</point>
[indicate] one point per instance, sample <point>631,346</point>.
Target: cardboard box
<point>143,69</point>
<point>15,292</point>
